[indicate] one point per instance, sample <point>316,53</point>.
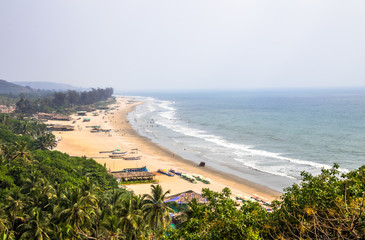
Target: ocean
<point>265,136</point>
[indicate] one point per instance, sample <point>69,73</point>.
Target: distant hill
<point>49,86</point>
<point>11,88</point>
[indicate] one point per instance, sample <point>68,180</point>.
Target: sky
<point>184,45</point>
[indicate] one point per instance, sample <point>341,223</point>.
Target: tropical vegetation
<point>46,194</point>
<point>62,101</point>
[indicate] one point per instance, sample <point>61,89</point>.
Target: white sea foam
<point>167,118</point>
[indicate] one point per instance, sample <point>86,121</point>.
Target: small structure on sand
<point>81,113</point>
<point>61,117</point>
<point>133,176</point>
<point>45,116</point>
<point>51,116</point>
<point>141,169</point>
<point>58,127</point>
<point>185,197</point>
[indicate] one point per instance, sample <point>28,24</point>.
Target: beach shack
<point>81,113</point>
<point>122,176</point>
<point>58,127</point>
<point>185,197</point>
<point>182,199</point>
<point>141,169</point>
<point>61,117</point>
<point>45,116</point>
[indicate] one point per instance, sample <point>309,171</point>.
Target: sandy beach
<point>82,142</point>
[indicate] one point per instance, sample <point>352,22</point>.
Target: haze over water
<point>265,136</point>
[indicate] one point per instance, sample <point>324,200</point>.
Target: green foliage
<point>60,101</point>
<point>49,195</point>
<point>156,212</point>
<point>219,218</point>
<point>327,206</point>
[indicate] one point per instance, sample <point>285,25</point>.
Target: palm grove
<point>46,194</point>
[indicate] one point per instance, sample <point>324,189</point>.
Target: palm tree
<point>112,202</point>
<point>30,182</point>
<point>46,141</point>
<point>77,212</point>
<point>156,211</point>
<point>2,159</point>
<point>41,194</point>
<point>193,209</point>
<point>131,215</point>
<point>14,207</point>
<point>7,151</point>
<point>4,224</point>
<point>36,226</point>
<point>22,151</point>
<point>112,227</point>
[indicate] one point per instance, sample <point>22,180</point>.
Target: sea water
<point>265,136</point>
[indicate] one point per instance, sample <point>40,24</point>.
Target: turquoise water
<point>267,137</point>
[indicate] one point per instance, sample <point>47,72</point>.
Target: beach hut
<point>141,169</point>
<point>133,176</point>
<point>185,197</point>
<point>57,127</point>
<point>45,116</point>
<point>81,113</point>
<point>59,117</point>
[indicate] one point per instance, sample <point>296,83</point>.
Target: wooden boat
<point>164,171</point>
<point>188,177</point>
<point>131,157</point>
<point>201,178</point>
<point>107,151</point>
<point>116,156</point>
<point>116,153</point>
<point>174,171</point>
<point>141,169</point>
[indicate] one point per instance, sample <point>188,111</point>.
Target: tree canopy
<point>47,194</point>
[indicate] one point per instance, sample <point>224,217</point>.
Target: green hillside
<point>49,86</point>
<point>11,88</point>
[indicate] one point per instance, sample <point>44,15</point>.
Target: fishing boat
<point>131,157</point>
<point>188,177</point>
<point>116,156</point>
<point>116,153</point>
<point>108,151</point>
<point>176,171</point>
<point>201,178</point>
<point>141,169</point>
<point>164,171</point>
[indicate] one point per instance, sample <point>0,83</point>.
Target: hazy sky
<point>188,44</point>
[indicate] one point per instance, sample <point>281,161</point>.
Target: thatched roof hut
<point>81,113</point>
<point>46,116</point>
<point>57,127</point>
<point>133,176</point>
<point>185,197</point>
<point>61,117</point>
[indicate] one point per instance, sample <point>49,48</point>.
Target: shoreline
<point>124,137</point>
